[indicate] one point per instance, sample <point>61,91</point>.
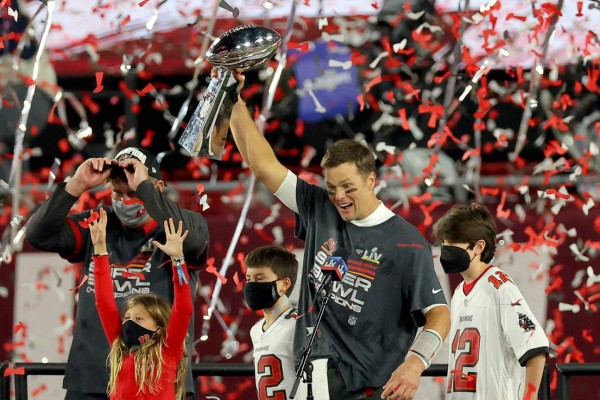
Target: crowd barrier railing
<point>231,369</point>
<point>564,371</point>
<point>57,369</point>
<point>4,381</point>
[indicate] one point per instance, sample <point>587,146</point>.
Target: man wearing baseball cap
<point>135,220</point>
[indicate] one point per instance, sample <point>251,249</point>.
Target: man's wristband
<point>426,345</point>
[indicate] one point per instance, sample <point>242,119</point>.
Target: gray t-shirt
<point>374,312</point>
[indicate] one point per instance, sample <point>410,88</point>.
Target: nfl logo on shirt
<point>352,320</point>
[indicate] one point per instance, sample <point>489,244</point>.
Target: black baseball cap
<point>142,155</point>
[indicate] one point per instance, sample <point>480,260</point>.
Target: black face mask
<point>261,295</point>
<point>454,259</point>
<point>133,334</point>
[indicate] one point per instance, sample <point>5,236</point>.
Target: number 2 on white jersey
<point>272,380</point>
<point>459,381</point>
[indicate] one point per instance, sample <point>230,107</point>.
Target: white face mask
<point>132,215</point>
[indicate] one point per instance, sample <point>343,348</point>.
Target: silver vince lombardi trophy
<point>241,48</point>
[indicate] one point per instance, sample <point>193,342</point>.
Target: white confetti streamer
<point>578,256</point>
<point>569,307</point>
<point>345,65</point>
<point>379,57</point>
<point>592,278</point>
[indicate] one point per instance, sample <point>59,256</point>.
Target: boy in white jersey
<point>271,273</point>
<point>493,332</point>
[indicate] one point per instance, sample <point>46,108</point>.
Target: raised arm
<point>181,313</point>
<point>182,303</point>
<point>103,283</point>
<point>255,149</point>
<point>49,228</point>
<point>161,208</point>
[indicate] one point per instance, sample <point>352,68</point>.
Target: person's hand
<point>98,232</point>
<point>139,174</point>
<point>241,81</point>
<point>174,244</point>
<point>91,173</point>
<point>239,77</point>
<point>404,382</point>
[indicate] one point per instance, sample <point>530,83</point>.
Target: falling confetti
<point>234,10</point>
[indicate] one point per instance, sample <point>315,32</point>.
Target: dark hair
<point>279,259</point>
<point>350,151</point>
<point>468,223</point>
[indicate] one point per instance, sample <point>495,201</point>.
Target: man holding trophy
<point>371,351</point>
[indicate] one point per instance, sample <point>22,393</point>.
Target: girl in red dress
<point>147,359</point>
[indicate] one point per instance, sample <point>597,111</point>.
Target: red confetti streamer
<point>90,104</point>
<point>143,3</point>
<point>10,346</point>
<point>26,79</point>
<point>500,213</point>
<point>212,270</point>
<point>94,215</point>
<point>147,89</point>
<point>292,82</point>
<point>513,16</point>
<point>564,196</point>
<point>14,371</point>
<point>556,122</point>
<point>125,89</point>
<point>402,115</point>
<point>421,199</point>
<point>125,21</point>
<point>436,111</point>
<point>579,9</point>
<point>470,153</point>
<point>361,101</point>
<point>148,138</point>
<point>439,79</point>
<point>242,260</point>
<point>303,47</point>
<point>238,284</point>
<point>531,392</point>
<point>40,389</point>
<point>432,162</point>
<point>374,81</point>
<point>19,326</point>
<point>99,77</point>
<point>555,286</point>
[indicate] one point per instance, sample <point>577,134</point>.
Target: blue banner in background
<point>334,87</point>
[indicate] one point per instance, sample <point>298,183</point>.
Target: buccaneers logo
<point>525,323</point>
